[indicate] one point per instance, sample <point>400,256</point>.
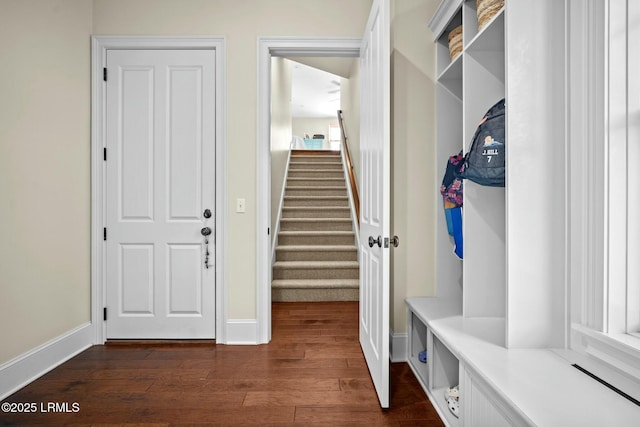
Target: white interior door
<point>160,178</point>
<point>375,162</point>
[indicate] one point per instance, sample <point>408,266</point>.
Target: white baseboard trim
<point>29,366</point>
<point>399,343</point>
<point>242,332</point>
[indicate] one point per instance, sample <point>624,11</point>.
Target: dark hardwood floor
<point>312,373</point>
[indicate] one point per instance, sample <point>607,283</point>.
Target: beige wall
<point>45,143</point>
<point>44,171</point>
<point>413,150</point>
<point>280,131</point>
<point>241,22</point>
<point>311,126</point>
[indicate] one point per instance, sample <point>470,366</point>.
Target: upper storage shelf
<point>443,55</point>
<point>514,265</point>
<point>486,46</point>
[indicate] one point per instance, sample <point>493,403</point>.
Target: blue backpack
<point>485,161</point>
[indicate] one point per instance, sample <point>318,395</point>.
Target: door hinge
<point>104,74</point>
<point>104,233</point>
<point>268,231</point>
<point>104,153</point>
<point>104,314</point>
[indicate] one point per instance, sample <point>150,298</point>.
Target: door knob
<point>373,241</point>
<point>205,231</point>
<point>395,241</point>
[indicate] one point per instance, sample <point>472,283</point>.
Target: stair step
<point>297,152</point>
<point>316,159</point>
<point>316,212</point>
<point>317,270</point>
<point>315,224</point>
<point>317,253</point>
<point>315,182</point>
<point>316,238</point>
<point>316,191</point>
<point>316,201</point>
<point>333,166</point>
<point>315,290</point>
<point>316,173</point>
<point>316,284</point>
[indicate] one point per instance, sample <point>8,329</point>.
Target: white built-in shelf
<point>528,386</point>
<point>443,57</point>
<point>491,37</point>
<point>499,317</point>
<point>451,77</point>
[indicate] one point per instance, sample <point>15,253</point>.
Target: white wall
<point>241,22</point>
<point>311,126</point>
<point>280,131</point>
<point>44,171</point>
<point>413,150</point>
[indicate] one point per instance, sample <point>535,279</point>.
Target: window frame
<point>605,278</point>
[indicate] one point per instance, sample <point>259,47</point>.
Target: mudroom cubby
<point>417,345</point>
<point>445,374</point>
<point>497,313</point>
<point>442,368</point>
<point>484,207</point>
<point>511,265</point>
<point>444,62</point>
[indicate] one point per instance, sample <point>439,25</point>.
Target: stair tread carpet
<point>315,169</point>
<point>315,198</point>
<point>315,264</point>
<point>315,233</point>
<point>315,187</point>
<point>316,283</point>
<point>314,220</point>
<point>337,180</point>
<point>319,248</point>
<point>315,208</point>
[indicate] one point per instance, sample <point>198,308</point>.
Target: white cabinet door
<point>375,185</point>
<point>481,407</point>
<point>160,178</point>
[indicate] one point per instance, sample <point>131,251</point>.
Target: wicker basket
<point>455,42</point>
<point>487,10</point>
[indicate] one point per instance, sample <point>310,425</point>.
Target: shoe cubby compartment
<point>417,345</point>
<point>445,373</point>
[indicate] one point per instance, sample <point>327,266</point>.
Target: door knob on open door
<point>394,241</point>
<point>373,241</point>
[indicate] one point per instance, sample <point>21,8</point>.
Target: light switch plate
<point>240,205</point>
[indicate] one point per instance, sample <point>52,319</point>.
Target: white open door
<point>160,194</point>
<point>374,223</point>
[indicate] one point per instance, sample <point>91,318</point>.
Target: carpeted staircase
<point>316,256</point>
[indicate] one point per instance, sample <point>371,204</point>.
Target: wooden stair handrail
<point>352,175</point>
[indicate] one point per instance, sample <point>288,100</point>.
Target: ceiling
<point>315,90</point>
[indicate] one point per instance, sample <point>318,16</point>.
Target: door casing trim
<point>267,48</point>
<point>99,47</point>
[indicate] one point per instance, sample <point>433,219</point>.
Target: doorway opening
<point>315,51</point>
<point>314,240</point>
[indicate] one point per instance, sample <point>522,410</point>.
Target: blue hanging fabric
<point>455,215</point>
<point>451,190</point>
